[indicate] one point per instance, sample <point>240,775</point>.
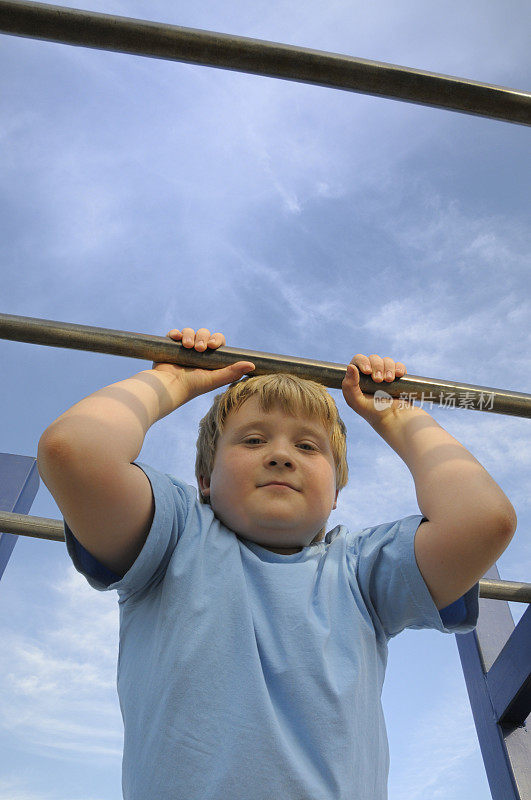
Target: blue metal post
<point>19,483</point>
<point>496,660</point>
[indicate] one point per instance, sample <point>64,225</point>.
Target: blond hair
<point>293,395</point>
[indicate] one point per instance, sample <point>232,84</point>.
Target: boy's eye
<point>257,439</point>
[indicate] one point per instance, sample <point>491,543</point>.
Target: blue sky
<point>143,195</point>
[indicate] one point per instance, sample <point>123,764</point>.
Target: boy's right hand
<point>196,381</point>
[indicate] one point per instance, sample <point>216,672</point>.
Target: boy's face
<point>257,448</point>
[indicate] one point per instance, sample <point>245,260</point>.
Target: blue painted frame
<point>19,483</point>
<point>496,661</point>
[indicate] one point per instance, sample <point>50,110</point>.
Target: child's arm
<point>85,456</point>
<point>470,520</point>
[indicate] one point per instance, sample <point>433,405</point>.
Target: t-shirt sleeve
<point>384,569</point>
<point>173,501</point>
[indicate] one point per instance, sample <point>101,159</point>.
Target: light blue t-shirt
<point>248,675</point>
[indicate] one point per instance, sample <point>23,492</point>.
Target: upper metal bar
<point>53,529</point>
<point>164,350</point>
<point>275,60</point>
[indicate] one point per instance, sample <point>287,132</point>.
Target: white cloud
<point>440,742</point>
<point>60,697</point>
<point>16,788</point>
<point>429,334</point>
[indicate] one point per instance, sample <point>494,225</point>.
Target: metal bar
<point>36,527</point>
<point>208,48</point>
<point>514,591</point>
<point>45,528</point>
<point>161,349</point>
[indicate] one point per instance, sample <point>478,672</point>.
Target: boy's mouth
<point>280,483</point>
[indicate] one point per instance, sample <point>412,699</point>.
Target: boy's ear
<point>204,485</point>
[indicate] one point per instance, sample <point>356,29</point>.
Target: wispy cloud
<point>16,788</point>
<point>61,686</point>
<point>440,744</point>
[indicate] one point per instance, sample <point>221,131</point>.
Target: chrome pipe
<point>514,591</point>
<point>161,349</point>
<point>52,529</point>
<point>208,48</point>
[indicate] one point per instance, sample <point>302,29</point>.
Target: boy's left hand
<point>382,370</point>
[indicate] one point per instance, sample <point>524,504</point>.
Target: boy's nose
<point>275,461</point>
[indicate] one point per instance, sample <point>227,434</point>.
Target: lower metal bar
<point>37,527</point>
<point>45,528</point>
<point>161,349</point>
<point>208,48</point>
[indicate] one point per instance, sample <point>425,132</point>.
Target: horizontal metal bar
<point>45,528</point>
<point>160,349</point>
<point>255,56</point>
<point>514,591</point>
<point>36,527</point>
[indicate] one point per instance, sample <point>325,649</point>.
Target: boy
<point>253,650</point>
